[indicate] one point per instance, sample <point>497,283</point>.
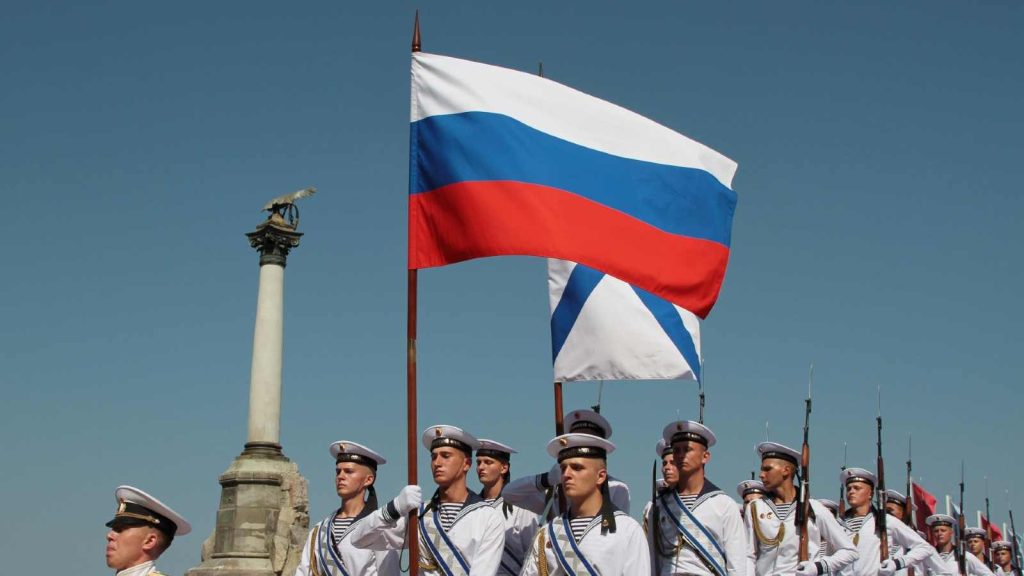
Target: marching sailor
<point>906,548</point>
<point>976,538</point>
<point>459,533</point>
<point>329,550</point>
<point>492,469</point>
<point>771,523</point>
<point>946,564</point>
<point>668,480</point>
<point>895,503</point>
<point>749,490</point>
<point>592,538</point>
<point>537,491</point>
<point>141,530</point>
<point>698,528</point>
<point>1002,556</point>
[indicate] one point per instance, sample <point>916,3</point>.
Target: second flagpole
<point>410,382</point>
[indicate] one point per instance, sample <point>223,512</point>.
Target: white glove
<point>806,569</point>
<point>888,568</point>
<point>408,499</point>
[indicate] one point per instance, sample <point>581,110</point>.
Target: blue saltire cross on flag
<point>605,329</point>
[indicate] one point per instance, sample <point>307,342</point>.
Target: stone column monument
<point>263,516</point>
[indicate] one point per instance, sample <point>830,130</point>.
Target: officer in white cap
<point>771,523</point>
<point>946,562</point>
<point>592,537</point>
<point>698,528</point>
<point>1002,557</point>
<point>536,492</point>
<point>459,533</point>
<point>141,530</point>
<point>493,461</point>
<point>905,547</point>
<point>329,549</point>
<point>976,539</point>
<point>668,480</point>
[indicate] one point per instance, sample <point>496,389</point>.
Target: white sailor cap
<point>663,449</point>
<point>494,449</point>
<point>136,508</point>
<point>576,445</point>
<point>1001,545</point>
<point>688,431</point>
<point>974,532</point>
<point>750,487</point>
<point>768,450</point>
<point>830,504</point>
<point>894,496</point>
<point>939,520</point>
<point>588,422</point>
<point>857,475</point>
<point>444,435</point>
<point>346,451</point>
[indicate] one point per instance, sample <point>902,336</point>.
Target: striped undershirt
<point>783,510</point>
<point>579,526</point>
<point>448,512</point>
<point>340,526</point>
<point>689,500</point>
<point>855,523</point>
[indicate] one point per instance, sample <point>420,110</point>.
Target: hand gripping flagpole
<point>410,380</point>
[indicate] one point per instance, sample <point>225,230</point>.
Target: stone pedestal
<point>263,517</point>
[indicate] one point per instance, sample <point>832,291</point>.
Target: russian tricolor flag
<point>509,163</point>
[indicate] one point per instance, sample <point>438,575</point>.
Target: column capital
<point>274,241</point>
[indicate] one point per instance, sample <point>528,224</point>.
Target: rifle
<point>883,534</point>
<point>654,538</point>
<point>1016,547</point>
<point>803,510</point>
<point>842,489</point>
<point>908,506</point>
<point>988,529</point>
<point>961,545</point>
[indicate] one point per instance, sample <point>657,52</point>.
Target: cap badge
<point>341,447</point>
<point>679,427</point>
<point>563,441</point>
<point>120,506</point>
<point>438,432</point>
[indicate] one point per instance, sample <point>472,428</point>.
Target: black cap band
<point>859,479</point>
<point>687,436</point>
<point>496,454</point>
<point>586,427</point>
<point>132,514</point>
<point>780,455</point>
<point>358,459</point>
<point>583,452</point>
<point>451,442</point>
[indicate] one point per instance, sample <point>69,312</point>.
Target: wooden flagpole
<point>410,381</point>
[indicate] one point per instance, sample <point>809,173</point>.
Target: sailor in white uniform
<point>668,480</point>
<point>946,563</point>
<point>832,506</point>
<point>493,461</point>
<point>141,530</point>
<point>895,505</point>
<point>537,492</point>
<point>698,528</point>
<point>771,523</point>
<point>329,550</point>
<point>592,538</point>
<point>1002,556</point>
<point>459,533</point>
<point>905,547</point>
<point>976,539</point>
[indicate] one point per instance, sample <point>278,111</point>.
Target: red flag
<point>924,506</point>
<point>994,533</point>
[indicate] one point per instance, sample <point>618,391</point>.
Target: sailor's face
<point>350,479</point>
<point>858,493</point>
<point>894,508</point>
<point>1002,557</point>
<point>582,477</point>
<point>690,457</point>
<point>489,470</point>
<point>942,534</point>
<point>126,544</point>
<point>751,496</point>
<point>976,545</point>
<point>448,464</point>
<point>669,471</point>
<point>773,473</point>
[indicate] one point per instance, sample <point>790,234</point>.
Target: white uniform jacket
<point>620,553</point>
<point>719,519</point>
<point>774,542</point>
<point>529,492</point>
<point>520,528</point>
<point>140,570</point>
<point>478,533</point>
<point>906,547</point>
<point>945,564</point>
<point>325,556</point>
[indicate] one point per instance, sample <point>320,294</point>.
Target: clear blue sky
<point>878,235</point>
